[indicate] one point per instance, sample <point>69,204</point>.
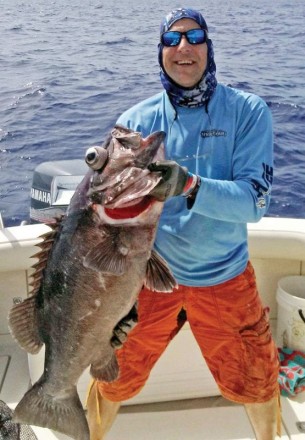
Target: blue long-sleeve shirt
<point>231,148</point>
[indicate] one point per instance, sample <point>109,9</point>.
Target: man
<point>217,177</point>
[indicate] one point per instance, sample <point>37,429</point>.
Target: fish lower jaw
<point>132,214</point>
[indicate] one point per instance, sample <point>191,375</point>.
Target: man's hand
<point>173,182</point>
<point>123,327</point>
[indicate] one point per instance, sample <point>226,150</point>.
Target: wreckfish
<point>90,271</point>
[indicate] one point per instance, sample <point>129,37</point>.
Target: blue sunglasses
<point>193,36</point>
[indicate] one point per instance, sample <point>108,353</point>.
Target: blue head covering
<point>200,94</point>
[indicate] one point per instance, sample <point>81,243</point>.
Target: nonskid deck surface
<point>217,423</point>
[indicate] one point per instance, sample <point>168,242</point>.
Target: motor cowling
<point>53,185</point>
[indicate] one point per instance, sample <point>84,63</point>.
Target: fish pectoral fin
<point>23,325</point>
<point>108,257</point>
<point>106,373</point>
<point>158,275</point>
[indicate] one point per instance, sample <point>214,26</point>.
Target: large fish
<point>100,257</point>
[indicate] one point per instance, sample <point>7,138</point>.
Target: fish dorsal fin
<point>158,275</point>
<point>42,256</point>
<point>109,256</point>
<point>23,325</point>
<point>22,317</point>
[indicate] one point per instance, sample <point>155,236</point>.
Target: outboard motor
<point>53,186</point>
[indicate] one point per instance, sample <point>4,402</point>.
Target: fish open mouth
<point>130,211</point>
<point>122,188</point>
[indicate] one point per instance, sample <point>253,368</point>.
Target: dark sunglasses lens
<point>196,36</point>
<point>171,38</point>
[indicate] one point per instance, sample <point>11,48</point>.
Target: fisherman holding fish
<point>216,178</point>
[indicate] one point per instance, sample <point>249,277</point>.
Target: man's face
<point>186,62</point>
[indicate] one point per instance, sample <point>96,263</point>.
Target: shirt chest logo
<point>213,133</point>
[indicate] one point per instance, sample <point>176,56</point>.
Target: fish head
<point>121,182</point>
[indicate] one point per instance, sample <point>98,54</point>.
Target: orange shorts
<point>230,326</point>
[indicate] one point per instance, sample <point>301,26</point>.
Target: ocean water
<point>68,69</point>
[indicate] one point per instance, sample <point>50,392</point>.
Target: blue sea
<point>68,69</point>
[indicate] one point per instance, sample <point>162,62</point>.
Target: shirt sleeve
<point>246,197</point>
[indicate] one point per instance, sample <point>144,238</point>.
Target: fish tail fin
<point>64,414</point>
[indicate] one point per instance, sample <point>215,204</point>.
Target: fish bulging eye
<point>96,157</point>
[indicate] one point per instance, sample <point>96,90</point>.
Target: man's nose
<point>183,42</point>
